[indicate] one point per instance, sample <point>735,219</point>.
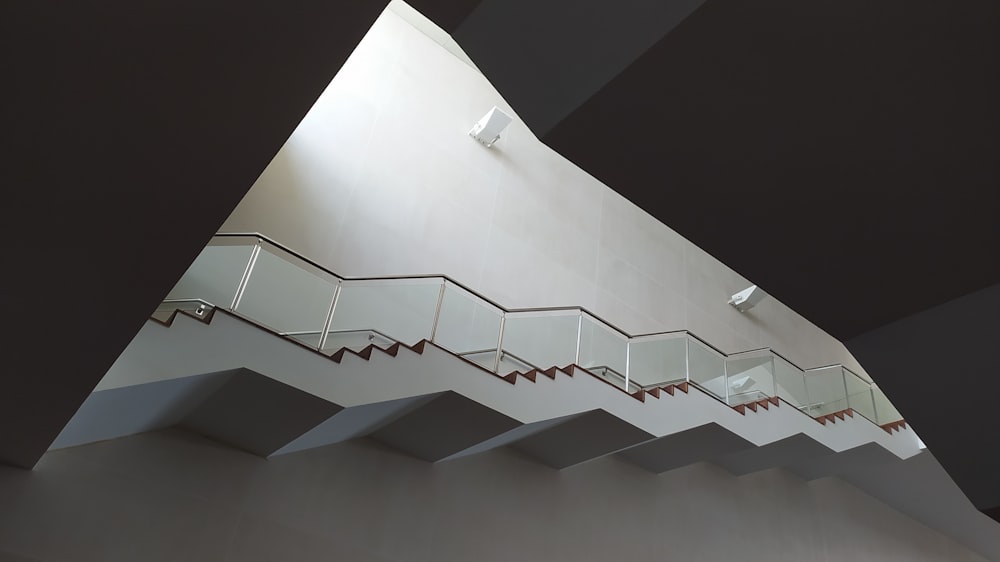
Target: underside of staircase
<point>227,378</point>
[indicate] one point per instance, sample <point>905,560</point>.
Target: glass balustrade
<point>603,351</point>
<point>217,272</point>
<point>658,360</point>
<point>885,412</point>
<point>859,395</point>
<point>288,294</point>
<point>401,309</point>
<point>827,393</point>
<point>750,376</point>
<point>468,325</point>
<point>706,368</point>
<point>539,339</point>
<point>790,383</point>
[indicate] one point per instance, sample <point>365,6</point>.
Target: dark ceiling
<point>841,154</point>
<point>131,131</point>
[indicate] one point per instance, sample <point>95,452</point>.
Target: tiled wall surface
<point>381,179</point>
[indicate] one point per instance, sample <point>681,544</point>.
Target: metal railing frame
<point>260,241</point>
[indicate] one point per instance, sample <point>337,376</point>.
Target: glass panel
<point>468,326</point>
<point>706,368</point>
<point>658,360</point>
<point>540,339</point>
<point>859,395</point>
<point>293,297</point>
<point>215,274</point>
<point>826,391</point>
<point>886,412</point>
<point>603,350</point>
<point>288,295</point>
<point>750,376</point>
<point>401,309</point>
<point>790,383</point>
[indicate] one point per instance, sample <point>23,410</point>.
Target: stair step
<point>894,426</point>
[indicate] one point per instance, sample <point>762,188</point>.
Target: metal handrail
<point>464,287</point>
<point>503,353</point>
<point>358,330</point>
<point>445,279</point>
<point>422,276</point>
<point>172,301</point>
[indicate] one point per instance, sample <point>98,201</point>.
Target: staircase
<point>226,377</point>
<point>296,359</point>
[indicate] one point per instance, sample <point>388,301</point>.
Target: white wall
<point>381,179</point>
<point>171,496</point>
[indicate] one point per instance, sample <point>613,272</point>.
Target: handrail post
<point>628,357</point>
<point>579,336</point>
<point>687,358</point>
<point>246,276</point>
<point>725,378</point>
<point>847,393</point>
<point>805,390</point>
<point>872,388</point>
<point>437,311</point>
<point>496,360</point>
<point>329,317</point>
<point>774,377</point>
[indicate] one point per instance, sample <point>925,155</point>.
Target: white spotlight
<point>488,129</point>
<point>747,298</point>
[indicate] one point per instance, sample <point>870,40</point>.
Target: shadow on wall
<point>362,501</point>
<point>948,348</point>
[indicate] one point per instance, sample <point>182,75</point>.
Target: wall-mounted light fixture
<point>747,298</point>
<point>487,130</point>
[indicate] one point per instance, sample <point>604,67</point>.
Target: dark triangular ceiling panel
<point>548,58</point>
<point>447,14</point>
<point>940,368</point>
<point>840,154</point>
<point>134,129</point>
